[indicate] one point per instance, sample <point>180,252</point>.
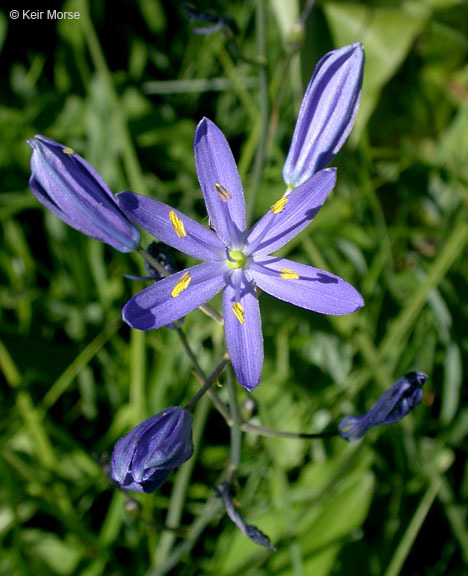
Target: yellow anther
<point>279,205</point>
<point>224,194</point>
<point>68,151</point>
<point>177,224</point>
<point>288,274</point>
<point>181,285</point>
<point>238,312</point>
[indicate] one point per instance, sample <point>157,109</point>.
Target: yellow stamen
<point>182,284</point>
<point>224,194</point>
<point>238,312</point>
<point>68,151</point>
<point>279,205</point>
<point>288,274</point>
<point>177,224</point>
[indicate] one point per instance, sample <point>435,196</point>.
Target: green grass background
<point>125,86</point>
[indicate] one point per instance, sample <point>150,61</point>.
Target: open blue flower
<point>391,407</point>
<point>327,113</point>
<point>236,260</point>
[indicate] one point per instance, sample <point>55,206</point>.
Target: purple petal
<point>291,214</point>
<point>172,227</point>
<point>327,113</point>
<point>167,446</point>
<point>305,286</point>
<point>174,297</point>
<point>70,188</point>
<point>124,450</point>
<point>220,183</point>
<point>243,329</point>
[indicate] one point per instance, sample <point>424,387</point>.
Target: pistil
<point>236,259</point>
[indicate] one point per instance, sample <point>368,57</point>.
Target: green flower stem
<point>208,382</point>
<point>264,107</point>
<point>8,367</point>
<point>280,80</point>
<point>184,474</point>
<point>202,377</point>
<point>213,508</point>
<point>408,538</point>
<point>137,374</point>
<point>270,432</point>
<point>236,432</point>
<point>205,308</point>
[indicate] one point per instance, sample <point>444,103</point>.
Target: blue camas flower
<point>70,188</point>
<point>327,113</point>
<point>236,260</point>
<point>143,459</point>
<point>391,407</point>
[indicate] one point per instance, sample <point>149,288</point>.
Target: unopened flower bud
<point>70,188</point>
<point>143,459</point>
<point>391,407</point>
<point>327,113</point>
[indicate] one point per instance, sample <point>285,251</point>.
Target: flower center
<point>236,259</point>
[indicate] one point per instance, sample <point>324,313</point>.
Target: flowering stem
<point>283,72</point>
<point>264,106</point>
<point>236,434</point>
<point>176,505</point>
<point>208,382</point>
<point>263,431</point>
<point>199,373</point>
<point>212,508</point>
<point>205,308</point>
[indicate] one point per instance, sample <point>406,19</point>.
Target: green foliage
<point>125,86</point>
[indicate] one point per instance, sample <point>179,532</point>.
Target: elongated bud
<point>327,113</point>
<point>391,407</point>
<point>70,188</point>
<point>252,532</point>
<point>143,459</point>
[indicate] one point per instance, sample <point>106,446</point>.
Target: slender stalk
<point>213,507</point>
<point>264,106</point>
<point>283,73</point>
<point>208,382</point>
<point>179,492</point>
<point>8,367</point>
<point>199,373</point>
<point>408,538</point>
<point>137,395</point>
<point>236,433</point>
<point>205,308</point>
<point>270,432</point>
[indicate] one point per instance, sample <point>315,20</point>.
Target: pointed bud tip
<point>416,378</point>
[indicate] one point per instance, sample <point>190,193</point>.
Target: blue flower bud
<point>143,459</point>
<point>391,407</point>
<point>70,188</point>
<point>252,532</point>
<point>327,113</point>
<point>163,255</point>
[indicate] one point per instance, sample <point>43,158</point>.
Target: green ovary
<point>237,259</point>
